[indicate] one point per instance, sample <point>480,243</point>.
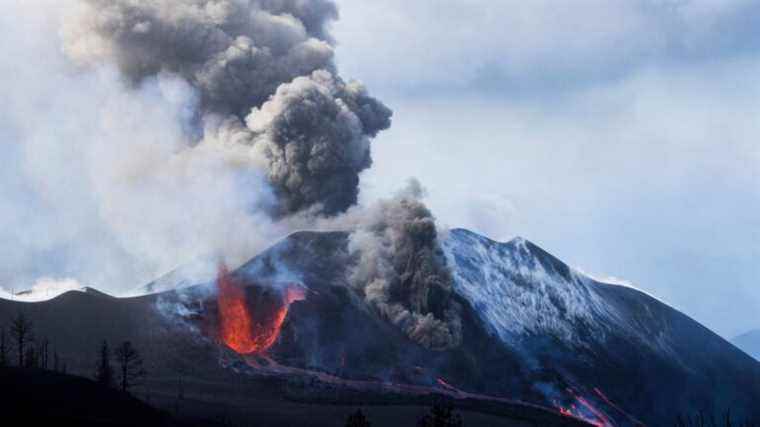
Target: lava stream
<point>444,384</point>
<point>246,331</point>
<point>583,409</point>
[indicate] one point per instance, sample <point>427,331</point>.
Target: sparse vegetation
<point>31,358</point>
<point>104,374</point>
<point>43,353</point>
<point>357,419</point>
<point>441,415</point>
<point>22,333</point>
<point>131,370</point>
<point>702,420</point>
<point>3,348</point>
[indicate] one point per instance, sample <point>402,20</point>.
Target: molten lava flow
<point>564,411</point>
<point>234,318</point>
<point>443,383</point>
<point>616,407</point>
<point>244,330</point>
<point>585,411</point>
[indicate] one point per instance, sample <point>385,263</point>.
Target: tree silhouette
<point>357,419</point>
<point>3,348</point>
<point>700,420</point>
<point>104,374</point>
<point>441,415</point>
<point>31,358</point>
<point>130,366</point>
<point>44,355</point>
<point>22,334</point>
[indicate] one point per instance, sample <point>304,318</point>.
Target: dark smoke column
<point>402,272</point>
<point>267,83</point>
<point>316,131</point>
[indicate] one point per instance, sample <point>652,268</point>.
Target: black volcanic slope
<point>534,331</point>
<point>202,383</point>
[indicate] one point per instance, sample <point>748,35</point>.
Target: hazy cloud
<point>533,48</point>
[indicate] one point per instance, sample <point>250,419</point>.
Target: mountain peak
<point>519,288</point>
<point>517,241</point>
<point>749,342</point>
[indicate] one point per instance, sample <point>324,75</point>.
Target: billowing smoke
<point>169,130</point>
<point>315,133</point>
<point>235,52</point>
<point>402,272</point>
<point>268,88</point>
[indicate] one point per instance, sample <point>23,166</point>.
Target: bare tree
<point>130,363</point>
<point>32,357</point>
<point>22,333</point>
<point>441,415</point>
<point>358,419</point>
<point>3,349</point>
<point>44,354</point>
<point>103,370</point>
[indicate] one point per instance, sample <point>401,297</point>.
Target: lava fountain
<point>250,318</point>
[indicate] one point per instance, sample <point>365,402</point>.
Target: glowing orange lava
<point>443,383</point>
<point>246,331</point>
<point>584,410</point>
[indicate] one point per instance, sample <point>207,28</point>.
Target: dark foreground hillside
<point>37,396</point>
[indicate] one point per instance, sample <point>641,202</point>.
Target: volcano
<point>535,330</point>
<point>285,335</point>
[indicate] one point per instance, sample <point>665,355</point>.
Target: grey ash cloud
<point>268,86</point>
<point>316,134</point>
<point>403,273</point>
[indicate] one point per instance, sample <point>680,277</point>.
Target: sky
<point>621,136</point>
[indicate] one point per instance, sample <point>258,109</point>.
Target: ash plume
<point>402,272</point>
<point>205,128</point>
<point>315,133</point>
<point>269,91</point>
<point>235,53</point>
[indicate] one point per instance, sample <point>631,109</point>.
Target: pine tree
<point>104,374</point>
